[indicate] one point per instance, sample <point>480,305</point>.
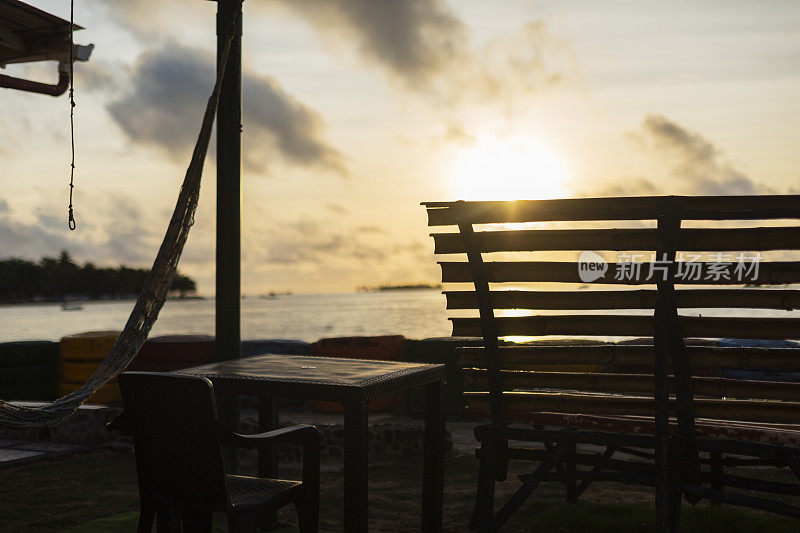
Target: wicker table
<point>354,383</point>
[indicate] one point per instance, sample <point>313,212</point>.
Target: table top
<point>306,373</point>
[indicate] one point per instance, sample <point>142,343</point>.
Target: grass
<point>96,492</point>
<point>58,493</point>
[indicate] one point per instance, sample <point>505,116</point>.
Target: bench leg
<point>716,473</point>
<point>610,451</point>
<point>548,445</point>
<point>674,508</point>
<point>529,484</point>
<point>571,483</point>
<point>668,494</point>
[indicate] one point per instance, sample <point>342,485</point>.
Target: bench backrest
<point>735,260</point>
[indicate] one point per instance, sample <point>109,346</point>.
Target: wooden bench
<point>614,364</point>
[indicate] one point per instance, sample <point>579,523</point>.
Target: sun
<point>511,168</point>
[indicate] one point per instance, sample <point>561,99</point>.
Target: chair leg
<point>307,516</point>
<point>242,522</point>
<point>483,512</point>
<point>307,503</point>
<point>167,519</point>
<point>199,521</point>
<point>147,515</point>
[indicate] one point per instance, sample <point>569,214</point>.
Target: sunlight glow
<point>513,168</point>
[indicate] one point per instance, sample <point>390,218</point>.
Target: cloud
<point>337,208</point>
<point>690,163</point>
<point>129,239</point>
<point>629,187</point>
<point>170,85</point>
<point>30,240</point>
<point>315,242</point>
<point>413,40</point>
<point>526,61</point>
<point>317,253</point>
<point>370,229</point>
<point>147,20</point>
<point>113,231</point>
<point>415,247</point>
<point>272,115</point>
<point>93,75</point>
<point>322,252</point>
<point>695,160</point>
<point>424,45</point>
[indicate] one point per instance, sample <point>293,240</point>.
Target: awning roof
<point>30,34</point>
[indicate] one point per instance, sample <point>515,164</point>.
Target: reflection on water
<point>309,317</point>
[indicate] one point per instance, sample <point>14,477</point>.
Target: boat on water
<point>71,306</point>
<point>273,295</point>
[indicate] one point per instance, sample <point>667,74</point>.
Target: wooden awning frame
<point>28,34</point>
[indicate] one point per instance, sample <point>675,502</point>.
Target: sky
<point>355,111</point>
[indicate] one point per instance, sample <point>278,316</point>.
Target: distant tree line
<point>55,279</point>
<point>407,287</point>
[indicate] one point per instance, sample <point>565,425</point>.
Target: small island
<point>60,279</point>
<point>408,287</point>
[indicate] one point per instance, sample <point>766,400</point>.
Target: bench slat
<point>766,411</point>
<point>532,357</point>
<point>535,326</point>
<point>632,326</point>
<point>624,208</point>
<point>539,240</point>
<point>628,299</point>
<point>689,239</point>
<point>476,379</point>
<point>769,273</point>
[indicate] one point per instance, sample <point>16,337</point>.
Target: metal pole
<point>229,120</point>
<point>229,129</point>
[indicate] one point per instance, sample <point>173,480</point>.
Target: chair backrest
<point>574,308</point>
<point>175,429</point>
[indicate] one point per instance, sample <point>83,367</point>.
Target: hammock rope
<point>70,213</point>
<point>153,294</point>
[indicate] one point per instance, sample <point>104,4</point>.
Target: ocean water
<point>415,314</point>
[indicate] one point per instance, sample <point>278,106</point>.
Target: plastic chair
<point>178,436</point>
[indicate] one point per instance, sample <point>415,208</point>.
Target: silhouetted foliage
<point>59,278</point>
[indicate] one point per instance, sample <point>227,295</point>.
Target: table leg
<point>268,456</point>
<point>267,420</point>
<point>433,469</point>
<point>356,449</point>
<point>230,414</point>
